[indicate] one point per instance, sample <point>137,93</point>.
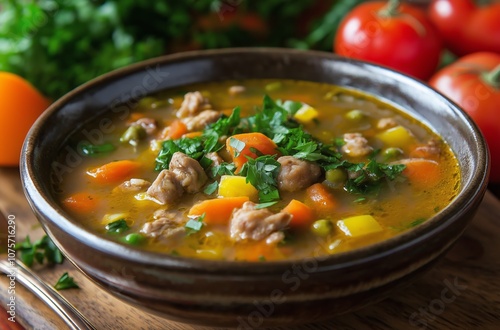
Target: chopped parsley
<point>117,227</point>
<point>211,188</point>
<point>194,225</point>
<point>275,120</point>
<point>65,282</point>
<point>262,173</point>
<point>41,250</point>
<point>97,150</point>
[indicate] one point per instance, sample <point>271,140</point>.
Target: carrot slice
<point>176,130</point>
<point>81,203</point>
<point>251,141</point>
<point>302,215</point>
<point>320,198</point>
<point>217,211</point>
<point>422,173</point>
<point>114,172</point>
<point>192,135</point>
<point>259,251</point>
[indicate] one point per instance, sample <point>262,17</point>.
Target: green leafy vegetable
<point>192,147</point>
<point>194,225</point>
<point>41,250</point>
<point>262,172</point>
<point>97,150</point>
<point>211,188</point>
<point>65,282</point>
<point>117,227</point>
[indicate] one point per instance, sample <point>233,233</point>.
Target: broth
<point>407,173</point>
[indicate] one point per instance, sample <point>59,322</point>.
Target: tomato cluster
<point>411,40</point>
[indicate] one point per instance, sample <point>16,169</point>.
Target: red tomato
<point>473,82</point>
<point>465,27</point>
<point>394,35</point>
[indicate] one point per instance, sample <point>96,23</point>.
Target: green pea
<point>274,86</point>
<point>355,115</point>
<point>392,153</point>
<point>148,103</point>
<point>322,227</point>
<point>134,239</point>
<point>336,176</point>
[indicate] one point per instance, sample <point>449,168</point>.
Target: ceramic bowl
<point>251,295</point>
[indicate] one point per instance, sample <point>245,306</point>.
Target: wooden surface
<point>461,292</point>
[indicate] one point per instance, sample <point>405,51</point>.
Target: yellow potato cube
<point>398,137</point>
<point>306,114</point>
<point>359,225</point>
<point>109,218</point>
<point>236,186</point>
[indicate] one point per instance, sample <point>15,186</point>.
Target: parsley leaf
<point>214,133</point>
<point>192,147</point>
<point>65,282</point>
<point>41,250</point>
<point>194,225</point>
<point>117,227</point>
<point>211,188</point>
<point>262,173</point>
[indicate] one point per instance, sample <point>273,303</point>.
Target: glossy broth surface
<point>429,179</point>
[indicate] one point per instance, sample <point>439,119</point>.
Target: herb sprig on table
<point>40,251</point>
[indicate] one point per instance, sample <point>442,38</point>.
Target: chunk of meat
<point>150,125</point>
<point>215,158</point>
<point>132,185</point>
<point>188,172</point>
<point>386,123</point>
<point>166,188</point>
<point>164,228</point>
<point>249,223</point>
<point>204,118</point>
<point>432,148</point>
<point>356,145</point>
<point>296,174</point>
<point>193,103</point>
<point>236,89</point>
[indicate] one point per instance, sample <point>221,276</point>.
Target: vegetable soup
<point>257,170</point>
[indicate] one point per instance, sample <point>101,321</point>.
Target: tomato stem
<point>493,77</point>
<point>391,9</point>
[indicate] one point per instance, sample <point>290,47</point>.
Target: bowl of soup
<point>254,187</point>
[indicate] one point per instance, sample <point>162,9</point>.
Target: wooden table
<point>461,292</point>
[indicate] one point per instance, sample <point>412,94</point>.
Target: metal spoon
<point>68,313</point>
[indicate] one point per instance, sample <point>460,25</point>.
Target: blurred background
<point>56,45</point>
<point>60,44</point>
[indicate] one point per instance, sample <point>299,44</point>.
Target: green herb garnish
<point>211,188</point>
<point>65,282</point>
<point>262,172</point>
<point>41,250</point>
<point>194,225</point>
<point>97,150</point>
<point>117,227</point>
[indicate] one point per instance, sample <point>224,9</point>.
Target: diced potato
<point>359,225</point>
<point>108,218</point>
<point>236,186</point>
<point>306,114</point>
<point>396,137</point>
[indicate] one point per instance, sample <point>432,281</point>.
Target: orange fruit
<point>20,105</point>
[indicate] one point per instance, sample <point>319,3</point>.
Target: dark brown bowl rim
<point>51,211</point>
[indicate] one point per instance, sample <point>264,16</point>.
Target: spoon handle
<point>70,315</point>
